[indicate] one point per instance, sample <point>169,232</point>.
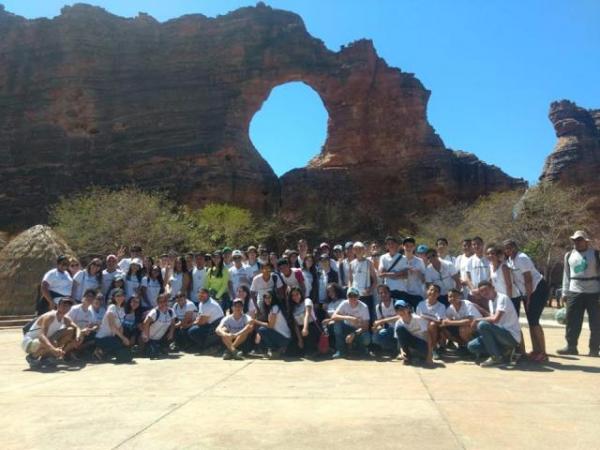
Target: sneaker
<point>173,347</point>
<point>238,355</point>
<point>34,363</point>
<point>338,355</point>
<point>273,354</point>
<point>594,353</point>
<point>491,361</point>
<point>227,354</point>
<point>48,361</point>
<point>255,354</point>
<point>567,351</point>
<point>436,354</point>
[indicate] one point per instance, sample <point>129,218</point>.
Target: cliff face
<point>92,98</point>
<point>575,159</point>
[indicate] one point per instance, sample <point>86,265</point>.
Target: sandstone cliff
<point>91,98</point>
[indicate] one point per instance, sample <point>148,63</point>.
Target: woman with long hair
<point>152,286</point>
<point>305,327</point>
<point>180,278</point>
<point>217,281</point>
<point>273,333</point>
<point>88,278</point>
<point>133,279</point>
<point>132,321</point>
<point>110,339</point>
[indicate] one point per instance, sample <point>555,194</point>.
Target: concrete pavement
<point>204,402</point>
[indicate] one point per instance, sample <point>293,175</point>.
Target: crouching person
<point>412,334</point>
<point>273,333</point>
<point>383,327</point>
<point>158,328</point>
<point>499,333</point>
<point>203,331</point>
<point>185,315</point>
<point>51,336</point>
<point>110,339</point>
<point>234,330</point>
<point>83,316</point>
<point>458,325</point>
<point>351,325</point>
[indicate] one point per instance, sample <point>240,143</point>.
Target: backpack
<point>158,313</point>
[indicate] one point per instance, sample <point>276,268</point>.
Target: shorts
<point>537,302</point>
<point>30,345</point>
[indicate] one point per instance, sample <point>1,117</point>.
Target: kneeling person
<point>459,324</point>
<point>383,327</point>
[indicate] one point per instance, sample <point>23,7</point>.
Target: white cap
<point>580,234</point>
<point>137,261</point>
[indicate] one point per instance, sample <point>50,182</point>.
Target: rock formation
<point>23,263</point>
<point>3,239</point>
<point>91,98</point>
<point>575,160</point>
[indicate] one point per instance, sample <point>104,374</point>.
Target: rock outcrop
<point>23,263</point>
<point>92,98</point>
<point>575,160</point>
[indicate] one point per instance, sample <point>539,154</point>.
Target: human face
<point>392,247</point>
<point>267,298</point>
<point>120,298</point>
<point>581,245</point>
<point>467,248</point>
<point>74,267</point>
<point>477,247</point>
<point>163,303</point>
<point>155,272</point>
<point>491,255</point>
<point>285,269</point>
<point>189,259</point>
<point>296,297</point>
<point>111,263</point>
<point>97,303</point>
<point>241,293</point>
<point>180,299</point>
<point>135,303</point>
<point>454,299</point>
<point>409,248</point>
<point>353,299</point>
<point>178,265</point>
<point>487,292</point>
<point>266,271</point>
<point>62,266</point>
<point>359,252</point>
<point>404,314</point>
<point>95,266</point>
<point>134,268</point>
<point>331,293</point>
<point>309,261</point>
<point>88,299</point>
<point>432,294</point>
<point>199,261</point>
<point>510,250</point>
<point>384,295</point>
<point>237,260</point>
<point>442,247</point>
<point>302,247</point>
<point>64,307</point>
<point>203,296</point>
<point>216,259</point>
<point>238,309</point>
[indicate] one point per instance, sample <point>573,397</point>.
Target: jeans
<point>110,344</point>
<point>493,340</point>
<point>182,338</point>
<point>577,304</point>
<point>269,338</point>
<point>204,335</point>
<point>411,344</point>
<point>342,329</point>
<point>385,339</point>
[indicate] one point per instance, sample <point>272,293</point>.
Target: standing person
<point>500,275</point>
<point>136,253</point>
<point>441,245</point>
<point>56,283</point>
<point>88,278</point>
<point>302,247</point>
<point>133,279</point>
<point>51,336</point>
<point>441,273</point>
<point>239,275</point>
<point>203,330</point>
<point>532,287</point>
<point>461,264</point>
<point>198,277</point>
<point>351,323</point>
<point>294,261</point>
<point>383,327</point>
<point>252,264</point>
<point>326,276</point>
<point>108,274</point>
<point>389,269</point>
<point>185,316</point>
<point>581,290</point>
<point>413,338</point>
<point>311,278</point>
<point>110,339</point>
<point>412,270</point>
<point>227,257</point>
<point>159,328</point>
<point>343,263</point>
<point>478,270</point>
<point>273,332</point>
<point>217,281</point>
<point>362,277</point>
<point>499,333</point>
<point>234,330</point>
<point>305,327</point>
<point>152,286</point>
<point>180,278</point>
<point>291,277</point>
<point>74,266</point>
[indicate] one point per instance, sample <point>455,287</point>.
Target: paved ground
<point>204,402</point>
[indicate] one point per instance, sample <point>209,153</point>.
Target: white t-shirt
<point>36,330</point>
<point>308,281</point>
<point>427,311</point>
<point>386,261</point>
<point>383,312</point>
<point>198,280</point>
<point>509,319</point>
<point>581,265</point>
<point>152,291</point>
<point>81,317</point>
<point>97,315</point>
<point>520,264</point>
<point>176,283</point>
<point>159,327</point>
<point>108,277</point>
<point>292,279</point>
<point>132,285</point>
<point>343,272</point>
<point>360,310</point>
<point>461,266</point>
<point>233,325</point>
<point>239,277</point>
<point>261,287</point>
<point>59,282</point>
<point>479,268</point>
<point>361,274</point>
<point>300,309</point>
<point>281,325</point>
<point>417,326</point>
<point>448,258</point>
<point>466,310</point>
<point>84,282</point>
<point>211,309</point>
<point>499,281</point>
<point>118,313</point>
<point>414,284</point>
<point>124,264</point>
<point>333,306</point>
<point>180,311</point>
<point>444,278</point>
<point>253,269</point>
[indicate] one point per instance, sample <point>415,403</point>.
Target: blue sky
<point>493,67</point>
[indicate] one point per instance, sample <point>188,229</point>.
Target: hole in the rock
<point>291,126</point>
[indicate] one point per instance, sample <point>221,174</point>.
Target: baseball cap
<point>401,304</point>
<point>337,247</point>
<point>324,244</point>
<point>137,261</point>
<point>580,234</point>
<point>422,248</point>
<point>352,292</point>
<point>236,253</point>
<point>391,238</point>
<point>283,262</point>
<point>226,249</point>
<point>237,300</point>
<point>348,245</point>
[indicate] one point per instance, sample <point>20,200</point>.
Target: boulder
<point>23,263</point>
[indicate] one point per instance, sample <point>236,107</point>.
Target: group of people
<point>409,301</point>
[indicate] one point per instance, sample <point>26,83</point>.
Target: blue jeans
<point>113,346</point>
<point>385,339</point>
<point>204,335</point>
<point>410,344</point>
<point>269,338</point>
<point>342,329</point>
<point>493,340</point>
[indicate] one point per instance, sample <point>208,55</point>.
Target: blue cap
<point>352,291</point>
<point>401,304</point>
<point>422,248</point>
